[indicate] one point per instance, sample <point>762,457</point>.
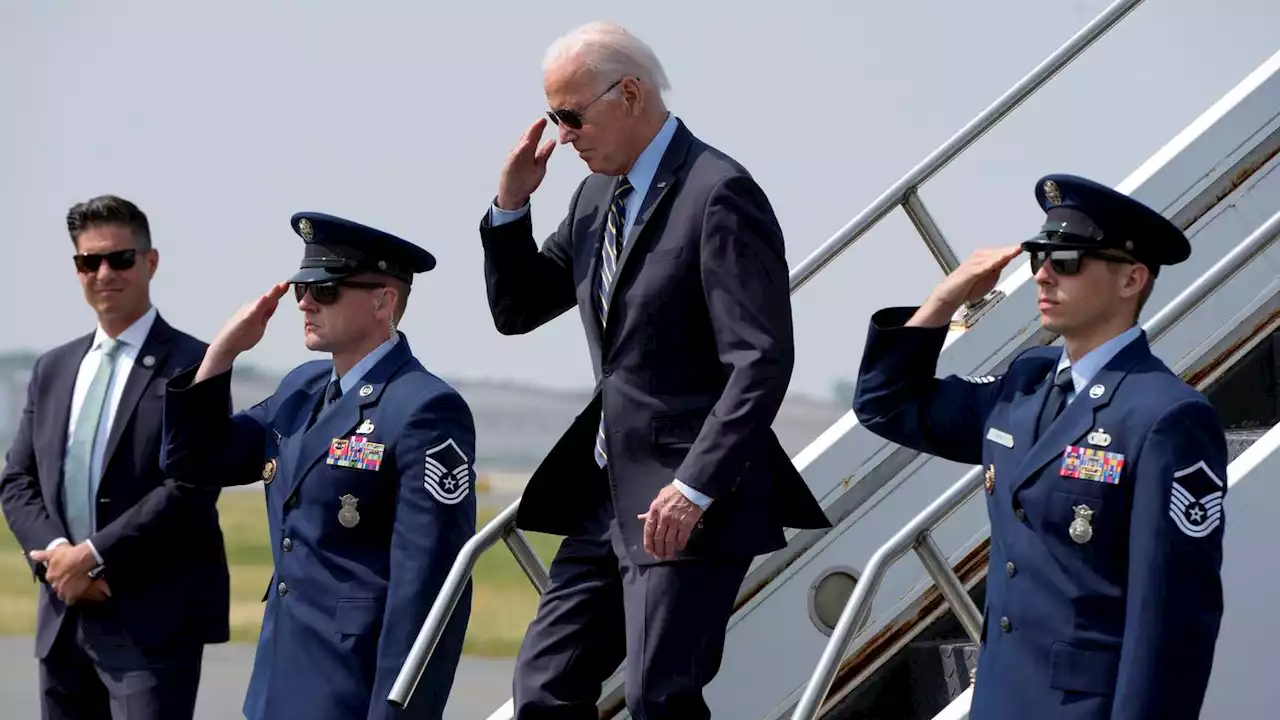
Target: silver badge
<point>1081,531</point>
<point>1096,391</point>
<point>1099,437</point>
<point>366,390</point>
<point>365,428</point>
<point>305,229</point>
<point>148,361</point>
<point>348,515</point>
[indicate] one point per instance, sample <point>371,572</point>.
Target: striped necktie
<point>610,249</point>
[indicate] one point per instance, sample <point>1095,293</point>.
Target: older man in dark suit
<point>671,479</point>
<point>133,568</point>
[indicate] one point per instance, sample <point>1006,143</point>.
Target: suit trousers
<point>667,621</point>
<point>93,672</point>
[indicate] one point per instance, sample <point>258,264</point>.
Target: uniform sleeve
<point>20,494</point>
<point>204,444</point>
<point>1174,600</point>
<point>435,516</point>
<point>899,398</point>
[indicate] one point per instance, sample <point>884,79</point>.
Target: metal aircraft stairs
<point>883,633</point>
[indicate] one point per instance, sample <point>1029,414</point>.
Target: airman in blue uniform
<point>1105,474</point>
<point>366,461</point>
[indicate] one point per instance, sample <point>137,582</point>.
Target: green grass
<point>503,604</point>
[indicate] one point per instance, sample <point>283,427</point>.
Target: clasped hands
<point>669,522</point>
<point>67,572</point>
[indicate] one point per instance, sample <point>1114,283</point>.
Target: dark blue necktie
<point>331,395</point>
<point>610,250</point>
<point>1056,401</point>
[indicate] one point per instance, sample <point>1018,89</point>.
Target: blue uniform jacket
<point>1123,624</point>
<point>367,511</point>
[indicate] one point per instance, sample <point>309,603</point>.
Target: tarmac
<point>481,687</point>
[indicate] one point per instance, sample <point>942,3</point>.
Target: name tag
<point>1092,464</point>
<point>1001,437</point>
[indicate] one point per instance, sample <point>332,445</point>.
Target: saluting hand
<point>667,525</point>
<point>241,333</point>
<point>525,168</point>
<point>969,282</point>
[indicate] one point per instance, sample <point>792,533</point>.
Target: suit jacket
<point>692,366</point>
<point>367,511</point>
<point>1104,594</point>
<point>160,542</point>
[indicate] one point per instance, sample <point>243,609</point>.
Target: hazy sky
<point>223,121</point>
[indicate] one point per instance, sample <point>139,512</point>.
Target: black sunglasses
<point>1068,262</point>
<point>573,118</point>
<point>116,260</point>
<point>326,293</point>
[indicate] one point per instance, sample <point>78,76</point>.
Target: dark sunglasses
<point>573,118</point>
<point>1068,262</point>
<point>326,293</point>
<point>116,260</point>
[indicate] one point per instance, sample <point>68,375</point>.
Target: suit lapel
<point>63,387</point>
<point>663,180</point>
<point>155,347</point>
<point>1080,416</point>
<point>341,419</point>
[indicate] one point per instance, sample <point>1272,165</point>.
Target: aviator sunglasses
<point>573,118</point>
<point>116,260</point>
<point>326,293</point>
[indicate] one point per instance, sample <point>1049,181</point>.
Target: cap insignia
<point>304,227</point>
<point>1052,193</point>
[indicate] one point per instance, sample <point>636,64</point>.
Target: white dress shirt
<point>130,344</point>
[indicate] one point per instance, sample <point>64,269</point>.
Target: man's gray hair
<point>609,52</point>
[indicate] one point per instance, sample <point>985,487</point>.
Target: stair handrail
<point>904,193</point>
<point>917,533</point>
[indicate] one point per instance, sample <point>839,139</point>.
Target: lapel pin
<point>269,471</point>
<point>1099,437</point>
<point>1081,531</point>
<point>1096,391</point>
<point>348,515</point>
<point>990,481</point>
<point>366,427</point>
<point>148,361</point>
<point>366,390</point>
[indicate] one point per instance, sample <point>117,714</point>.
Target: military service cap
<point>338,248</point>
<point>1081,214</point>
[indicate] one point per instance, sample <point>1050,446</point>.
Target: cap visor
<point>314,275</point>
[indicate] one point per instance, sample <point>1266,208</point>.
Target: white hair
<point>609,52</point>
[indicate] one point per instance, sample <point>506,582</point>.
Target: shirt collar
<point>357,371</point>
<point>646,166</point>
<point>1083,371</point>
<point>133,336</point>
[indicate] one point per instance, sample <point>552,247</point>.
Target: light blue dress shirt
<point>641,178</point>
<point>1082,372</point>
<point>358,370</point>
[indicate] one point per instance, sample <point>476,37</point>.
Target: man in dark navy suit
<point>1105,473</point>
<point>132,564</point>
<point>367,463</point>
<point>671,479</point>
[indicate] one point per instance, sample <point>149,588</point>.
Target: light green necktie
<point>79,488</point>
